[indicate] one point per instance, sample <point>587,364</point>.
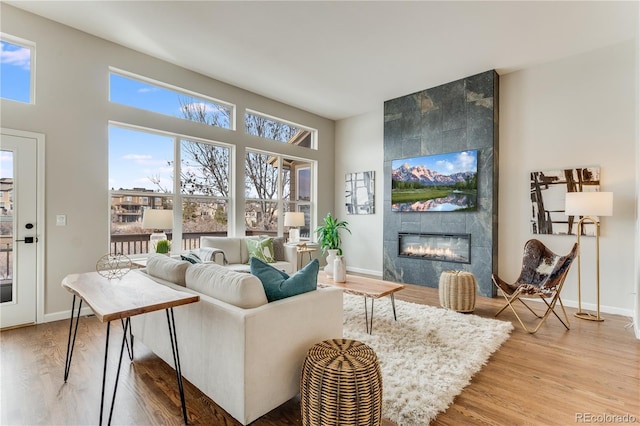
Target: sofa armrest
<point>291,256</point>
<point>213,254</point>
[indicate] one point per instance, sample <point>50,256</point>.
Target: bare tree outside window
<point>203,112</point>
<point>261,190</point>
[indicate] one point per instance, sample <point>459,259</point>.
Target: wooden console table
<point>120,299</point>
<point>368,287</point>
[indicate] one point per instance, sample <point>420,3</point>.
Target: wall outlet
<point>61,220</point>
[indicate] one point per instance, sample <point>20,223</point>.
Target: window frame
<point>311,130</point>
<point>27,44</point>
<point>177,197</point>
<point>285,205</point>
<point>179,90</point>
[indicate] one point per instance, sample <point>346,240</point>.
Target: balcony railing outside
<point>133,244</point>
<point>128,244</point>
<point>6,261</point>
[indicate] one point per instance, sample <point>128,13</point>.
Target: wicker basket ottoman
<point>341,385</point>
<point>457,290</point>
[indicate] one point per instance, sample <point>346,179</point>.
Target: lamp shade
<point>294,219</point>
<point>589,204</point>
<point>157,219</point>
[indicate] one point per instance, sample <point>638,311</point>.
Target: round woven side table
<point>457,290</point>
<point>341,385</point>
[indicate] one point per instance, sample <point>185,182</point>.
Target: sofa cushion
<point>167,268</point>
<point>279,285</point>
<point>262,249</point>
<point>236,288</point>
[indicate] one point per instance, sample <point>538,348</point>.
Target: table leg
<point>368,319</point>
<point>176,360</point>
<point>371,319</point>
<point>127,325</point>
<point>104,371</point>
<point>393,304</point>
<point>129,347</point>
<point>366,314</point>
<point>71,343</point>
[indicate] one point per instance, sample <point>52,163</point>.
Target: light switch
<point>61,220</point>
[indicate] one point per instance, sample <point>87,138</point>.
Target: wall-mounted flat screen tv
<point>442,182</point>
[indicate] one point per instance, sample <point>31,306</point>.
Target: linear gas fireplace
<point>436,246</point>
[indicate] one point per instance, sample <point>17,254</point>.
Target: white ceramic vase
<point>331,257</point>
<point>339,270</point>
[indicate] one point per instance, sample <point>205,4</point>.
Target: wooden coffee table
<point>368,288</point>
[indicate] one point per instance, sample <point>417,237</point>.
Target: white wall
<point>73,111</point>
<point>578,111</point>
<point>359,148</point>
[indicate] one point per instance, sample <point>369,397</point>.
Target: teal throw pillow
<point>191,257</point>
<point>262,249</point>
<point>279,285</point>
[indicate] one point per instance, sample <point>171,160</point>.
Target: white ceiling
<point>340,59</point>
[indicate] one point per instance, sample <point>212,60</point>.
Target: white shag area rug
<point>427,357</point>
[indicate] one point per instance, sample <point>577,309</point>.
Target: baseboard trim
<point>64,315</point>
<point>377,274</point>
<point>591,307</point>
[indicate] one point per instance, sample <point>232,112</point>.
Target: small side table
<point>301,250</point>
<point>120,299</point>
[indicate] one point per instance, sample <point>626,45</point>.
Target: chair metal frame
<point>526,290</point>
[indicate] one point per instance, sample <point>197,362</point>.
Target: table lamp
<point>589,205</point>
<point>158,221</point>
<point>293,220</point>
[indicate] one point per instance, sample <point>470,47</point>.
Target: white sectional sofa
<point>242,352</point>
<point>232,252</point>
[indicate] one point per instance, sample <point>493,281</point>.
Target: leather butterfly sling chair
<point>542,275</point>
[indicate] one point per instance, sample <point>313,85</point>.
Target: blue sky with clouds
<point>447,164</point>
<point>134,156</point>
<point>15,83</point>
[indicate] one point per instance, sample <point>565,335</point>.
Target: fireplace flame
<point>429,251</point>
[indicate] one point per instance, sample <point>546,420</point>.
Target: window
<point>16,69</point>
<point>272,187</point>
<point>264,126</point>
<point>162,98</point>
<point>143,166</point>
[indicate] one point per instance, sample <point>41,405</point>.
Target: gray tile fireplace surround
<point>452,117</point>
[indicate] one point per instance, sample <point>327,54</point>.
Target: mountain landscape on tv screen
<point>421,174</point>
<point>441,182</point>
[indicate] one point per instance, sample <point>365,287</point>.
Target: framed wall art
<point>360,192</point>
<point>548,192</point>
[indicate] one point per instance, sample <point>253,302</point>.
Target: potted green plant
<point>163,247</point>
<point>330,241</point>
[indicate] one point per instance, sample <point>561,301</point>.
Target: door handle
<point>28,240</point>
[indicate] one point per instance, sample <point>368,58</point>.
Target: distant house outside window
<point>16,69</point>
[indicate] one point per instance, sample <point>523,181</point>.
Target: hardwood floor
<point>548,378</point>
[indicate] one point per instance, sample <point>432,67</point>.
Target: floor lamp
<point>589,205</point>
